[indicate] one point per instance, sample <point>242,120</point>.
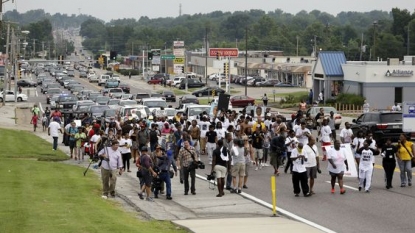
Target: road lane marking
<point>36,93</point>
<point>396,169</point>
<point>282,211</point>
<point>346,186</point>
<point>40,106</point>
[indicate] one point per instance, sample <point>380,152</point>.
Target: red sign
<point>224,52</point>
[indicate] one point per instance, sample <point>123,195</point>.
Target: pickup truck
<point>382,125</point>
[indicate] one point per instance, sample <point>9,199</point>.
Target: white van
<point>103,79</point>
<point>154,103</point>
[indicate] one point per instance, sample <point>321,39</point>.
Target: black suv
<point>65,102</point>
<point>382,125</point>
<point>191,83</point>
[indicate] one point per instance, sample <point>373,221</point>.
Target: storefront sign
<point>399,73</point>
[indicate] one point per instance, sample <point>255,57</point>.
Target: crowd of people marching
<point>232,142</point>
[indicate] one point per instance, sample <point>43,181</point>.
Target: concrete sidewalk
<point>203,212</point>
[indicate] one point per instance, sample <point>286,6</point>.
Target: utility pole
<point>374,39</point>
<point>6,71</point>
<point>34,48</point>
<point>297,45</point>
<point>407,41</point>
<point>361,48</point>
<point>246,61</point>
<point>206,54</point>
<point>43,49</point>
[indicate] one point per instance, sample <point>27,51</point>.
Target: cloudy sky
<point>115,9</point>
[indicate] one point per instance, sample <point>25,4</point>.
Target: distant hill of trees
<point>384,32</point>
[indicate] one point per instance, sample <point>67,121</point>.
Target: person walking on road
<point>405,155</point>
<point>129,75</point>
<point>53,130</point>
<point>313,162</point>
<point>220,165</point>
<point>34,120</point>
<point>110,167</point>
<point>389,162</point>
<point>187,155</point>
<point>336,166</point>
<point>366,165</point>
<point>299,176</point>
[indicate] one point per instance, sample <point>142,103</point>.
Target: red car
<point>154,80</point>
<point>241,101</point>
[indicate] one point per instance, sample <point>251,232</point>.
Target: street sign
<point>156,52</point>
<point>179,60</point>
<point>155,61</point>
<point>168,57</point>
<point>224,52</point>
<point>178,52</point>
<point>178,43</point>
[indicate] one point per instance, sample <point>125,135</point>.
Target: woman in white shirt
<point>336,166</point>
<point>125,149</point>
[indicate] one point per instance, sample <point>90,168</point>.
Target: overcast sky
<point>115,9</point>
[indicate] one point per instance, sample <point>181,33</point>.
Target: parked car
<point>115,93</point>
<point>155,80</point>
<point>92,77</point>
<point>83,74</point>
<point>188,99</point>
<point>125,87</point>
<point>26,83</point>
<point>103,79</point>
<point>102,100</point>
<point>169,96</point>
<point>191,83</point>
<point>284,85</point>
<point>267,83</point>
<point>337,116</point>
<point>382,125</point>
<point>207,91</point>
<point>10,97</point>
<point>50,92</point>
<point>241,101</point>
<point>139,96</point>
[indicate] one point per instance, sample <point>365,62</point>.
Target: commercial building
<point>382,83</point>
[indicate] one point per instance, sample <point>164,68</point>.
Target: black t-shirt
<point>257,141</point>
<point>47,112</point>
<point>211,135</point>
<point>389,153</point>
<point>219,160</point>
<point>153,136</point>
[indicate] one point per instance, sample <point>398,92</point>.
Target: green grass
<point>44,196</point>
<point>179,92</point>
<point>295,94</point>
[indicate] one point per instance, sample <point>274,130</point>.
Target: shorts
<point>357,156</point>
<point>336,174</point>
<point>258,153</point>
<point>238,170</point>
<point>220,171</point>
<point>134,145</point>
<point>147,179</point>
<point>72,144</point>
<point>311,172</point>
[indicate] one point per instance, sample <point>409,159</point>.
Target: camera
<point>200,165</point>
<point>211,176</point>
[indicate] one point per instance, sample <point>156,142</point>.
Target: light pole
<point>246,61</point>
<point>375,23</point>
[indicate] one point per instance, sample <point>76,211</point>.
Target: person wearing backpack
<point>143,136</point>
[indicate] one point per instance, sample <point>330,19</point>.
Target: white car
<point>214,77</point>
<point>10,97</point>
<point>92,77</point>
<point>177,80</point>
<point>116,77</point>
<point>103,79</point>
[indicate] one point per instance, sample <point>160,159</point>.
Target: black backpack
<point>153,135</point>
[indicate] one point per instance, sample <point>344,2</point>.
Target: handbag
<point>412,156</point>
<point>193,165</point>
<point>139,174</point>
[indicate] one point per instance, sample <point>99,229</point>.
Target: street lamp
<point>375,23</point>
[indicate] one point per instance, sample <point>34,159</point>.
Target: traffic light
<point>19,68</point>
<point>150,56</point>
<point>113,55</point>
<point>217,56</point>
<point>182,69</point>
<point>213,93</point>
<point>226,68</point>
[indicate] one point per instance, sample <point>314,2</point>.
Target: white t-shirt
<point>220,133</point>
<point>300,134</point>
<point>346,134</point>
<point>338,157</point>
<point>311,155</point>
<point>292,145</point>
<point>54,128</point>
<point>358,142</point>
<point>325,133</point>
<point>122,148</point>
<point>95,138</point>
<point>298,164</point>
<point>366,160</point>
<point>204,128</point>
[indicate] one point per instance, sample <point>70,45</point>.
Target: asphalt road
<point>380,210</point>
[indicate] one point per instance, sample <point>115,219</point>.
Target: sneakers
<point>367,191</point>
<point>256,168</point>
<point>239,191</point>
<point>266,165</point>
<point>409,184</point>
<point>233,190</point>
<point>169,198</point>
<point>360,188</point>
<point>260,166</point>
<point>342,191</point>
<point>245,187</point>
<point>141,196</point>
<point>104,196</point>
<point>149,199</point>
<point>332,190</point>
<point>210,163</point>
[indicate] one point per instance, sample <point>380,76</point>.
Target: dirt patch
<point>23,117</point>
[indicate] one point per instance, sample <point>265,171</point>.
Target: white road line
<point>40,106</point>
<point>282,211</point>
<point>36,93</point>
<point>346,186</point>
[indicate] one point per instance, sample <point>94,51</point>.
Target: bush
<point>345,98</point>
<point>125,72</point>
<point>291,99</point>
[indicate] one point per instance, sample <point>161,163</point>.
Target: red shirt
<point>34,120</point>
<point>56,114</point>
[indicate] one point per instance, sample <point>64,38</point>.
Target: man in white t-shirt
<point>299,171</point>
<point>313,162</point>
<point>325,133</point>
<point>336,166</point>
<point>302,134</point>
<point>346,133</point>
<point>366,165</point>
<point>53,130</point>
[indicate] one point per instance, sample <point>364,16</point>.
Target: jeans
<point>153,146</point>
<point>389,167</point>
<point>165,176</point>
<point>406,171</point>
<point>192,173</point>
<point>55,143</point>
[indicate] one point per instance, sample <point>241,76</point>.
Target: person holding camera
<point>111,165</point>
<point>187,161</point>
<point>299,176</point>
<point>220,165</point>
<point>164,163</point>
